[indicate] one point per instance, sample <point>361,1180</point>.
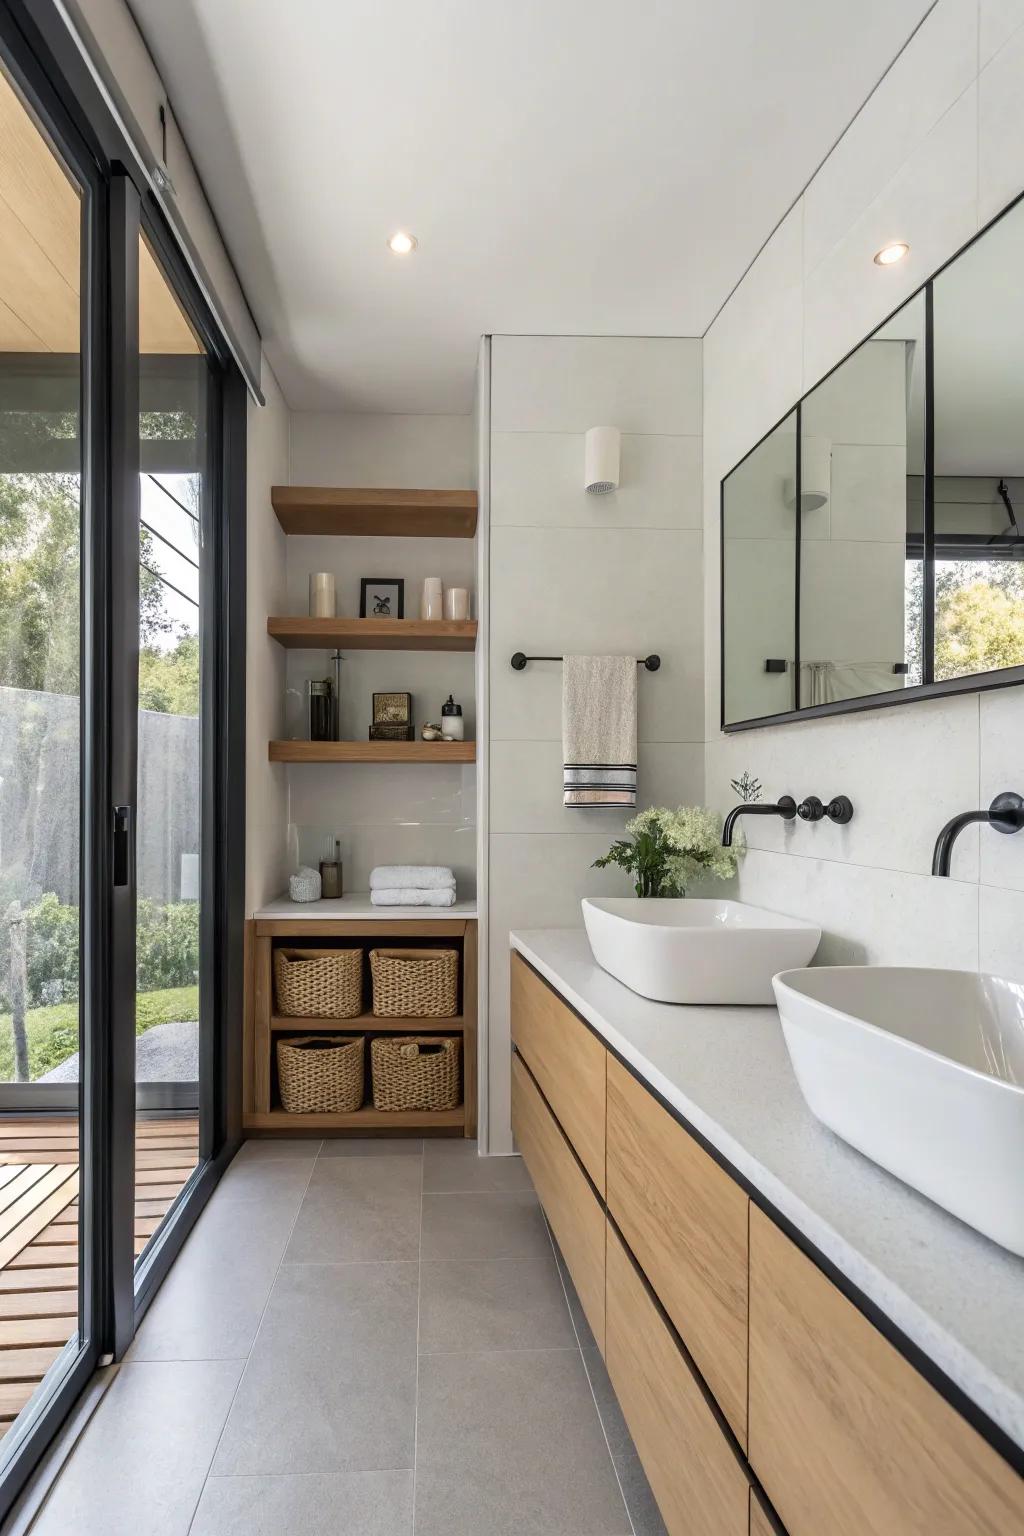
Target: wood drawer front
<point>844,1434</point>
<point>686,1222</point>
<point>760,1521</point>
<point>567,1061</point>
<point>697,1479</point>
<point>576,1218</point>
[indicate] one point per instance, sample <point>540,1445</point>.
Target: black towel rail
<point>652,662</point>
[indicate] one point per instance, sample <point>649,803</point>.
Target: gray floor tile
<point>372,1146</point>
<point>511,1445</point>
<point>141,1463</point>
<point>264,1179</point>
<point>331,1381</point>
<point>310,1504</point>
<point>273,1149</point>
<point>210,1305</point>
<point>507,1304</point>
<point>358,1209</point>
<point>640,1500</point>
<point>467,1226</point>
<point>456,1165</point>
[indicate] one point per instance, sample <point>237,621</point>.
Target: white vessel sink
<point>692,951</point>
<point>923,1072</point>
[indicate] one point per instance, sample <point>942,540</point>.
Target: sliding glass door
<point>122,635</point>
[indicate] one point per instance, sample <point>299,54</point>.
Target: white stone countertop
<point>358,905</point>
<point>955,1294</point>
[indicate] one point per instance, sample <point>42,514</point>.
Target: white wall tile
<point>999,20</point>
<point>526,787</point>
<point>867,483</point>
<point>752,352</point>
<point>365,845</point>
<point>537,481</point>
<point>869,916</point>
<point>907,770</point>
<point>417,452</point>
<point>1001,129</point>
<point>570,383</point>
<point>1002,767</point>
<point>1001,924</point>
<point>567,590</point>
<point>935,68</point>
<point>931,202</point>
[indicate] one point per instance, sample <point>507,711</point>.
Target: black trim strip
<point>928,563</point>
<point>996,1437</point>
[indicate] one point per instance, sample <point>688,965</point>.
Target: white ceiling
<point>568,166</point>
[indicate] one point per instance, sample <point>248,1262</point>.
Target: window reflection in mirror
<point>978,350</point>
<point>759,578</point>
<point>862,463</point>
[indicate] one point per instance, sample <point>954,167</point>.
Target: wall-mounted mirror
<point>873,542</point>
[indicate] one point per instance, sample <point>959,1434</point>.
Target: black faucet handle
<point>810,809</point>
<point>839,809</point>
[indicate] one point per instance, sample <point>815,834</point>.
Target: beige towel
<point>599,731</point>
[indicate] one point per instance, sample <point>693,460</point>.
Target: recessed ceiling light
<point>891,253</point>
<point>401,243</point>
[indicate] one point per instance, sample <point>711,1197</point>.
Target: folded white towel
<point>404,877</point>
<point>412,896</point>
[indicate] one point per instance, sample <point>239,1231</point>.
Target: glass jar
<point>321,709</point>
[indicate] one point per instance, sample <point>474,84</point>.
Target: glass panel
<point>759,578</point>
<point>40,744</point>
<point>862,466</point>
<point>172,431</point>
<point>978,322</point>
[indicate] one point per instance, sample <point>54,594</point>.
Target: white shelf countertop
<point>952,1292</point>
<point>359,906</point>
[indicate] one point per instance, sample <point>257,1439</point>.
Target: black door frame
<point>41,57</point>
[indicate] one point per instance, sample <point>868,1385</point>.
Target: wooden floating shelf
<point>305,634</point>
<point>367,513</point>
<point>365,1119</point>
<point>373,752</point>
<point>369,1023</point>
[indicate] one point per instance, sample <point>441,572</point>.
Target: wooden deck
<point>39,1234</point>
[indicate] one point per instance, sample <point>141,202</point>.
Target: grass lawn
<point>53,1032</point>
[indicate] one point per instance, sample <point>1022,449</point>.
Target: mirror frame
<point>974,682</point>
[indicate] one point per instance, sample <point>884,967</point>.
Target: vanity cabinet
<point>686,1222</point>
<point>696,1476</point>
<point>570,1205</point>
<point>845,1436</point>
<point>744,1375</point>
<point>567,1062</point>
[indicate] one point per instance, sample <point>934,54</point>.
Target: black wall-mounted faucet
<point>1005,814</point>
<point>784,807</point>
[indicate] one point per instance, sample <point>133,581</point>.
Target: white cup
<point>456,603</point>
<point>321,595</point>
<point>431,604</point>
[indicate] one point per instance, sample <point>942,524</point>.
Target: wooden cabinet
<point>761,1523</point>
<point>697,1478</point>
<point>567,1061</point>
<point>576,1217</point>
<point>846,1437</point>
<point>686,1222</point>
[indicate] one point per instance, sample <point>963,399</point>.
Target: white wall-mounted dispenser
<point>601,460</point>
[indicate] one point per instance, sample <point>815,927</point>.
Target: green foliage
<point>979,628</point>
<point>167,949</point>
<point>667,850</point>
<point>169,680</point>
<point>53,1032</point>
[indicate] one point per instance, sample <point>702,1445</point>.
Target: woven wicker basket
<point>321,1074</point>
<point>415,983</point>
<point>319,983</point>
<point>415,1072</point>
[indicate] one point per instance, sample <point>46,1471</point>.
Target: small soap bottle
<point>452,728</point>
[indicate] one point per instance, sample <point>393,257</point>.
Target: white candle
<point>456,603</point>
<point>430,603</point>
<point>321,595</point>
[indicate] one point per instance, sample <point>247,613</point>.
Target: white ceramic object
<point>923,1072</point>
<point>321,595</point>
<point>694,951</point>
<point>431,600</point>
<point>456,603</point>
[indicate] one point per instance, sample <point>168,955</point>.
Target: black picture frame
<point>397,583</point>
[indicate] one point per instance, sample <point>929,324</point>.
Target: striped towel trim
<point>599,784</point>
